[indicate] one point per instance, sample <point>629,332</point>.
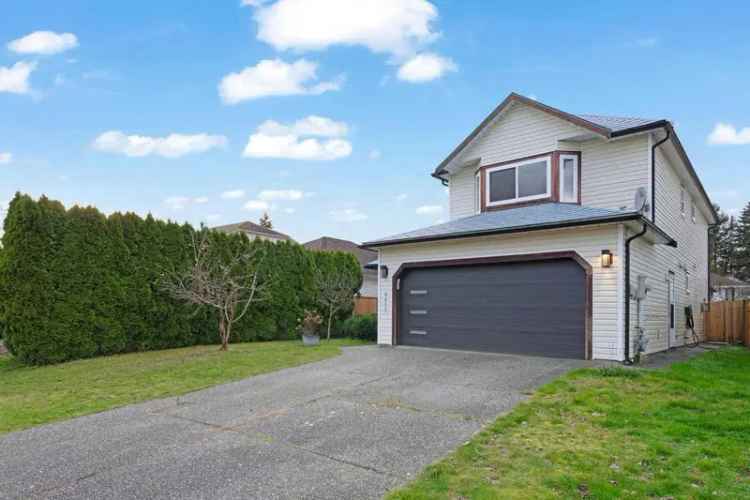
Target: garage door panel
<point>523,307</point>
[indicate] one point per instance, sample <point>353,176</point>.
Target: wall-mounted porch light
<point>606,258</point>
<point>383,272</point>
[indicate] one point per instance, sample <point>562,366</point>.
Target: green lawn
<point>682,432</point>
<point>31,396</point>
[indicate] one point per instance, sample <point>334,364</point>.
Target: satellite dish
<point>641,200</point>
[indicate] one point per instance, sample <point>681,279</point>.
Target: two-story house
<point>578,236</point>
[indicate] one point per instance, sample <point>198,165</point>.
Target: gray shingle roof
<point>509,220</point>
<point>329,244</point>
<point>253,228</point>
<point>618,123</point>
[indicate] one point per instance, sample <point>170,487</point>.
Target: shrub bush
<point>363,327</point>
<point>76,284</point>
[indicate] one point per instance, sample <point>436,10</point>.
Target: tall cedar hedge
<point>77,284</point>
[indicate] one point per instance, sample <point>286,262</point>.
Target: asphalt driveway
<point>353,426</point>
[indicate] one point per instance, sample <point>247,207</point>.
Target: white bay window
<point>518,182</point>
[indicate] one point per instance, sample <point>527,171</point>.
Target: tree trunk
<point>223,333</point>
<point>330,319</point>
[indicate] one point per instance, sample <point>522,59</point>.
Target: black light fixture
<point>383,272</point>
<point>606,258</point>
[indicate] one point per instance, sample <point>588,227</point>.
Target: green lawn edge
<point>32,396</point>
<point>678,432</point>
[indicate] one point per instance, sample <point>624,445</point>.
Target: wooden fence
<point>728,321</point>
<point>365,305</point>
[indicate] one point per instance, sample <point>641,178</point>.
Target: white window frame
<point>692,210</point>
<point>683,203</point>
<point>547,194</point>
<point>561,162</point>
<point>478,191</point>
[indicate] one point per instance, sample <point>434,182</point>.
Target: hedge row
<point>77,284</point>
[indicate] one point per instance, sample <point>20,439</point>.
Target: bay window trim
<point>516,165</point>
<point>561,185</point>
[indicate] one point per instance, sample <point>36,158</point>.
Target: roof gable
<point>603,126</point>
<point>329,244</point>
<point>253,228</point>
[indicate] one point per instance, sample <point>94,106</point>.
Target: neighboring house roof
<point>606,126</point>
<point>253,228</point>
<point>328,244</point>
<point>727,281</point>
<point>528,218</point>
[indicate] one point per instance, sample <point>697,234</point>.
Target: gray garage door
<point>535,308</point>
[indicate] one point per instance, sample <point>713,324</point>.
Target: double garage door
<point>534,308</point>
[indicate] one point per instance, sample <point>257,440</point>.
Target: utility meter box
<point>641,289</point>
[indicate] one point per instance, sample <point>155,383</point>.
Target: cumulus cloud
<point>15,79</point>
<point>256,205</point>
<point>724,133</point>
<point>397,27</point>
<point>44,43</point>
<point>171,146</point>
<point>5,158</point>
<point>281,195</point>
<point>425,67</point>
<point>299,141</point>
<point>181,202</point>
<point>233,194</point>
<point>274,77</point>
<point>177,202</point>
<point>347,215</point>
<point>429,210</point>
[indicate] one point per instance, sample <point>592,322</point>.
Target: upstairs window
<point>682,201</point>
<point>478,192</point>
<point>692,211</point>
<point>519,182</point>
<point>569,178</point>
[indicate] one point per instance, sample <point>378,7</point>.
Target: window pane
<point>568,179</point>
<point>503,185</point>
<point>532,179</point>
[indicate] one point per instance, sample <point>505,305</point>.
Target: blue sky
<point>332,116</point>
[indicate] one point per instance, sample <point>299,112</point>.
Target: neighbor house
<point>363,255</point>
<point>581,236</point>
<point>253,231</point>
<point>727,287</point>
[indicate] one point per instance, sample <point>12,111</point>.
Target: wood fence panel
<point>365,305</point>
<point>728,321</point>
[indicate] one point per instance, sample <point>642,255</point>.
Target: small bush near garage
<point>364,327</point>
<point>77,284</point>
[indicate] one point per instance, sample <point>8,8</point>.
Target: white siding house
<point>532,185</point>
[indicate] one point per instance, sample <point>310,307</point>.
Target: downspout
<point>627,360</point>
<point>653,172</point>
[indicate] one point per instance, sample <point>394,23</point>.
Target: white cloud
<point>425,67</point>
<point>177,202</point>
<point>298,142</point>
<point>281,195</point>
<point>429,210</point>
<point>5,158</point>
<point>644,43</point>
<point>348,215</point>
<point>724,133</point>
<point>201,200</point>
<point>233,194</point>
<point>15,79</point>
<point>402,197</point>
<point>256,205</point>
<point>171,146</point>
<point>274,77</point>
<point>44,43</point>
<point>396,27</point>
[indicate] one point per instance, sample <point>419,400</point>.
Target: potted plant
<point>310,326</point>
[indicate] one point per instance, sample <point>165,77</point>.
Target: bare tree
<point>228,281</point>
<point>335,291</point>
